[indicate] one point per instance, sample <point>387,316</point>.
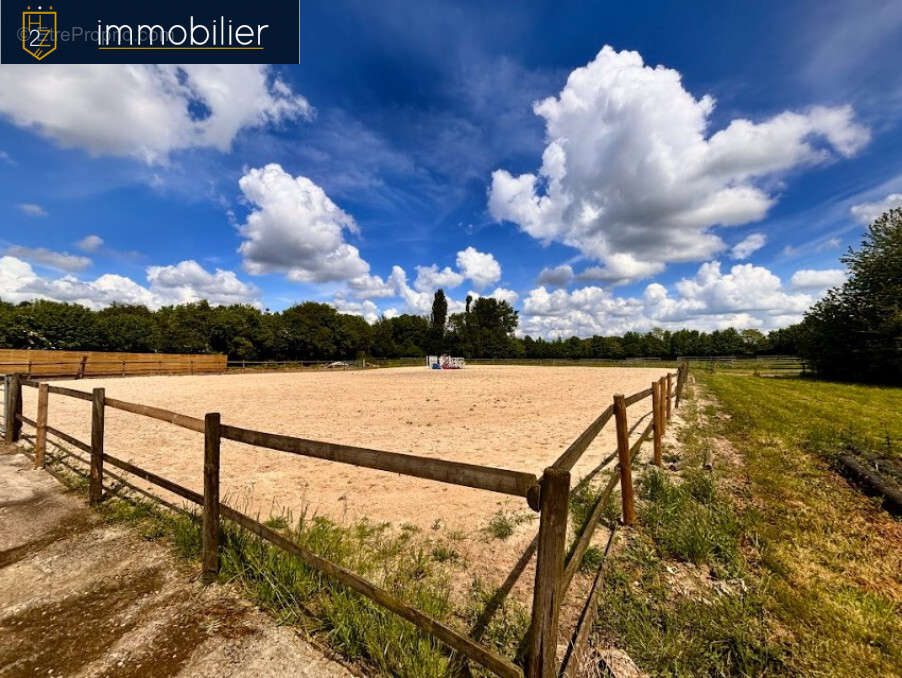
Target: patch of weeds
<point>502,524</point>
<point>152,522</point>
<point>689,522</point>
<point>700,486</point>
<point>457,535</point>
<point>591,559</point>
<point>277,522</point>
<point>612,510</point>
<point>582,501</point>
<point>443,553</point>
<point>354,626</point>
<point>723,635</point>
<point>506,627</point>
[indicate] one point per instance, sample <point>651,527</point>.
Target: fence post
<point>668,394</point>
<point>623,454</point>
<point>82,366</point>
<point>656,420</point>
<point>211,498</point>
<point>681,382</point>
<point>7,379</point>
<point>95,494</point>
<point>662,391</point>
<point>13,408</point>
<point>40,439</point>
<point>546,602</point>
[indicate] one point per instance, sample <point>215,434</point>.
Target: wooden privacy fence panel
<point>555,569</point>
<point>79,364</point>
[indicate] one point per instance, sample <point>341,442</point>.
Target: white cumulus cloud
<point>90,243</point>
<point>619,269</point>
<point>559,276</point>
<point>818,279</point>
<point>62,261</point>
<point>368,286</point>
<point>183,282</point>
<point>416,301</point>
<point>745,296</point>
<point>480,267</point>
<point>748,246</point>
<point>504,294</point>
<point>366,308</point>
<point>632,169</point>
<point>146,111</point>
<point>32,210</point>
<point>188,281</point>
<point>867,212</point>
<point>296,229</point>
<point>430,278</point>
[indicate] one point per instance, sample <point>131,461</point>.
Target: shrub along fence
<point>81,364</point>
<point>556,564</point>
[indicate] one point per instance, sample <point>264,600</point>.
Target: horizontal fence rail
<point>182,420</point>
<point>573,453</point>
<point>556,564</point>
<point>636,397</point>
<point>458,473</point>
<point>71,392</point>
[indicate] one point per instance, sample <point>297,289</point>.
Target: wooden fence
<point>556,564</point>
<point>767,365</point>
<point>80,364</point>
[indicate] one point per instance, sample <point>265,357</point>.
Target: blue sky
<point>705,169</point>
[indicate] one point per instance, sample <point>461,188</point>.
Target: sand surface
<point>519,418</point>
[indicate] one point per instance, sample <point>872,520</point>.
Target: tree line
<point>854,332</point>
<point>315,331</point>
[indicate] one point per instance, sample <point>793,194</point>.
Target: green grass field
<point>824,417</point>
<point>771,564</point>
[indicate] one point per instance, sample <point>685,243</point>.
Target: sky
<point>604,167</point>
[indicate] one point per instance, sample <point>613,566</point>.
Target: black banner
<point>195,31</point>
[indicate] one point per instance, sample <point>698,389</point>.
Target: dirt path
<point>81,598</point>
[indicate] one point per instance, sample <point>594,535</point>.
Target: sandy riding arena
<point>517,418</point>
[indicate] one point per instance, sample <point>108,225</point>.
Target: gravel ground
<point>80,598</point>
